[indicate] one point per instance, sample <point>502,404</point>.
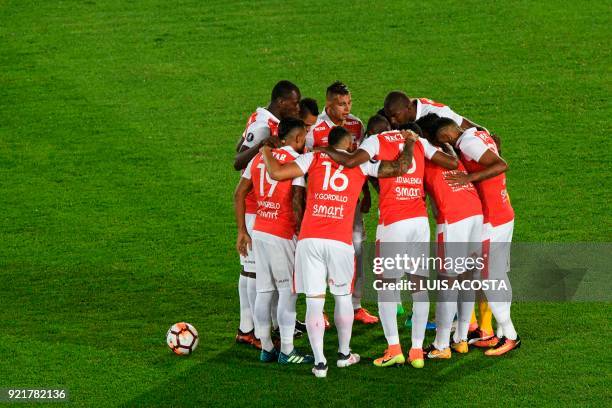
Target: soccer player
<point>273,243</point>
<point>261,126</point>
<point>459,219</point>
<point>309,112</point>
<point>403,216</point>
<point>325,254</point>
<point>337,112</point>
<point>487,172</point>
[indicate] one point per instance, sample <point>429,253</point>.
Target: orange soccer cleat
<point>393,356</point>
<point>416,357</point>
<point>327,323</point>
<point>482,339</point>
<point>503,346</point>
<point>362,315</point>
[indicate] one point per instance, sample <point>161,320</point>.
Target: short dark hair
<point>412,126</point>
<point>376,122</point>
<point>426,122</point>
<point>309,105</point>
<point>283,89</point>
<point>438,125</point>
<point>337,88</point>
<point>336,135</point>
<point>286,125</point>
<point>395,98</point>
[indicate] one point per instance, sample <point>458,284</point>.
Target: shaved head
<point>399,109</point>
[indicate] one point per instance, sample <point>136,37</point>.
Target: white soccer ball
<point>182,338</point>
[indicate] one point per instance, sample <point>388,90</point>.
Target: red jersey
<point>332,195</point>
<point>274,208</point>
<point>319,132</point>
<point>453,203</point>
<point>261,125</point>
<point>493,194</point>
<point>401,197</point>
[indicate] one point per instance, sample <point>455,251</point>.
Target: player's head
<point>412,126</point>
<point>286,97</point>
<point>399,109</point>
<point>377,124</point>
<point>445,130</point>
<point>426,123</point>
<point>309,110</point>
<point>339,138</point>
<point>338,101</point>
<point>292,132</point>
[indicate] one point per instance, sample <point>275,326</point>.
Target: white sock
<point>246,314</point>
<point>315,325</point>
<point>262,320</point>
<point>501,312</point>
<point>465,307</point>
<point>343,318</point>
<point>420,313</point>
<point>286,318</point>
<point>252,295</point>
<point>445,311</point>
<point>388,317</point>
<point>274,310</point>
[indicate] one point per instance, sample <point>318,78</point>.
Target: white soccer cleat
<point>345,360</point>
<point>320,370</point>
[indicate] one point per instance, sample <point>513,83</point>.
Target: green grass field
<point>118,122</point>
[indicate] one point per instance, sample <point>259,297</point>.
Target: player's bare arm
<point>244,156</point>
<point>494,165</point>
<point>298,201</point>
<point>278,171</point>
<point>243,241</point>
<point>346,159</point>
<point>394,168</point>
<point>445,160</point>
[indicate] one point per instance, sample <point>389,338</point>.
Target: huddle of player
<point>300,226</point>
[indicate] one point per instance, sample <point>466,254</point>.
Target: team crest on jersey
<point>250,137</point>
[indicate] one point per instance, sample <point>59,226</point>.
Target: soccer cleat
<point>326,320</point>
<point>472,327</point>
<point>320,370</point>
<point>416,358</point>
<point>460,347</point>
<point>295,357</point>
<point>345,360</point>
<point>390,358</point>
<point>244,338</point>
<point>362,315</point>
<point>503,346</point>
<point>256,343</point>
<point>268,356</point>
<point>433,353</point>
<point>480,338</point>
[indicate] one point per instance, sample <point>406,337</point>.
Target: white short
<point>410,237</point>
<point>460,241</point>
<point>496,246</point>
<point>248,262</point>
<point>274,259</point>
<point>324,262</point>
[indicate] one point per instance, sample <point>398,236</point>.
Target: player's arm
<point>250,148</point>
<point>493,166</point>
<point>278,171</point>
<point>349,160</point>
<point>298,203</point>
<point>466,124</point>
<point>439,157</point>
<point>243,241</point>
<point>366,200</point>
<point>394,168</point>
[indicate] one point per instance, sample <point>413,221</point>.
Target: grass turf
<point>118,122</point>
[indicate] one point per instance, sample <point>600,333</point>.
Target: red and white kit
<point>426,106</point>
<point>324,253</point>
<point>403,214</point>
<point>319,132</point>
<point>459,213</point>
<point>497,211</point>
<point>260,126</point>
<point>273,235</point>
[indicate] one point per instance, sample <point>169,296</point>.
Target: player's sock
<point>445,312</point>
<point>262,320</point>
<point>286,318</point>
<point>315,325</point>
<point>501,311</point>
<point>252,294</point>
<point>465,312</point>
<point>388,318</point>
<point>246,314</point>
<point>420,313</point>
<point>343,317</point>
<point>274,310</point>
<point>485,320</point>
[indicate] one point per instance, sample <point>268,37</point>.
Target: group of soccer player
<point>299,206</point>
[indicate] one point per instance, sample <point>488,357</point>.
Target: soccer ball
<point>182,338</point>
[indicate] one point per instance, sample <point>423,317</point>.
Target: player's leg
<point>246,328</point>
<point>362,315</point>
<point>263,301</point>
<point>274,310</point>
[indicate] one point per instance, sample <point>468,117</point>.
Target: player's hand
<point>366,203</point>
<point>409,135</point>
<point>272,142</point>
<point>457,178</point>
<point>243,243</point>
